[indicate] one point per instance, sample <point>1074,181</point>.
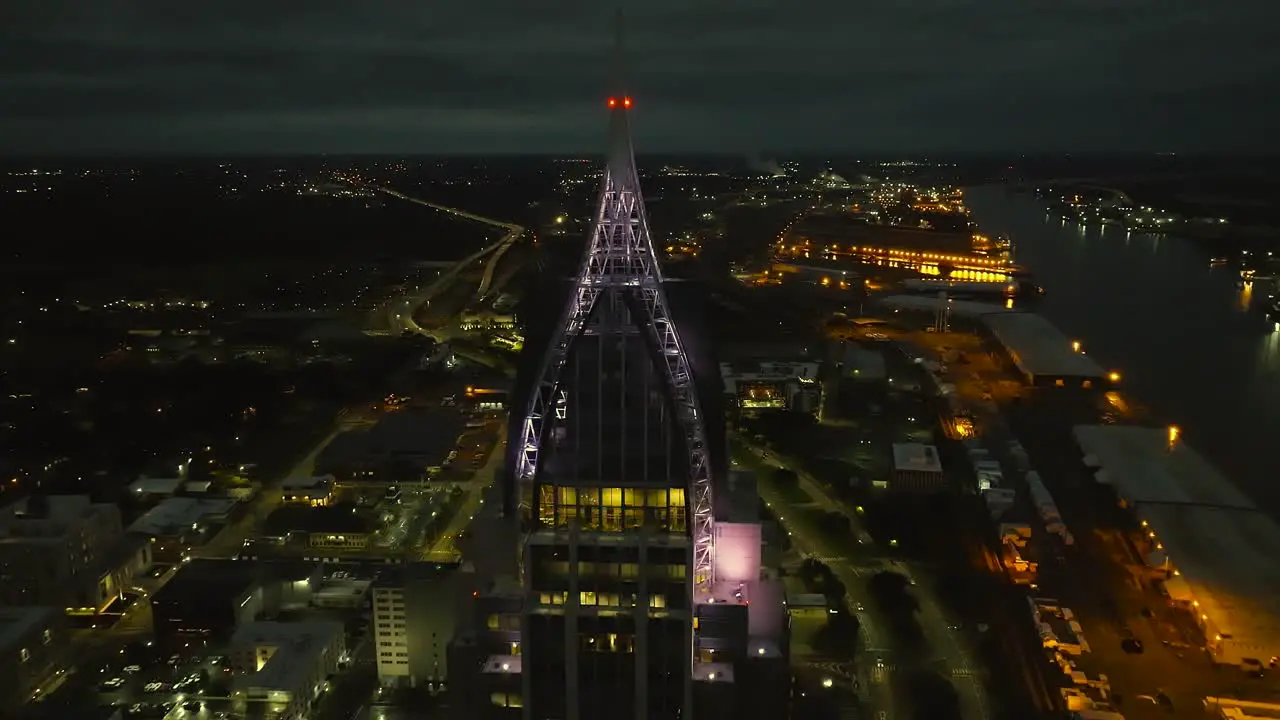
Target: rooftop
<point>1040,348</point>
<point>204,582</point>
<point>295,648</point>
<point>17,623</point>
<point>156,485</point>
<point>960,308</point>
<point>25,521</point>
<point>1217,538</point>
<point>177,515</point>
<point>916,457</point>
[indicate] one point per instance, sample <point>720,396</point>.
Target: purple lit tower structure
<point>638,589</point>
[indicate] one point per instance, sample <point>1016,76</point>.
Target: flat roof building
<point>416,610</point>
<point>1041,352</point>
<point>925,303</point>
<point>57,550</point>
<point>281,667</point>
<point>916,468</point>
<point>209,599</point>
<point>1220,547</point>
<point>32,643</point>
<point>313,491</point>
<point>163,486</point>
<point>181,516</point>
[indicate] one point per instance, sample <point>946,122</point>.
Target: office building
<point>66,551</point>
<point>281,668</point>
<point>623,609</point>
<point>416,610</point>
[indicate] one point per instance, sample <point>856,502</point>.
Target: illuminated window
<point>676,498</point>
<point>586,598</point>
<point>634,518</point>
<point>611,497</point>
<point>630,570</point>
<point>657,601</point>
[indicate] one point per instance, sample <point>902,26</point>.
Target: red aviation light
<point>626,103</point>
<point>613,103</point>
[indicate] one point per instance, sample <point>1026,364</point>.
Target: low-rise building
<point>207,600</point>
<point>177,524</point>
<point>156,487</point>
<point>311,491</point>
<point>772,385</point>
<point>917,468</point>
<point>336,527</point>
<point>63,551</point>
<point>281,668</point>
<point>33,645</point>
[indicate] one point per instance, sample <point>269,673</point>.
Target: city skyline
<point>504,77</point>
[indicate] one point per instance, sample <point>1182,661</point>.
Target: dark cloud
<point>502,75</point>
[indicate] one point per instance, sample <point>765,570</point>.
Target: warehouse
<point>1042,354</point>
<point>1218,547</point>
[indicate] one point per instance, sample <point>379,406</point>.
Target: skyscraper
<point>613,468</point>
<point>638,597</point>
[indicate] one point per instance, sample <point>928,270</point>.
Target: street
<point>854,563</point>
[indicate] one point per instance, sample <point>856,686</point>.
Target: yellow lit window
<point>611,497</point>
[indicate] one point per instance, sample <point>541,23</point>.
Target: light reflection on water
<point>1179,331</point>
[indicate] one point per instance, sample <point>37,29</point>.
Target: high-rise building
<point>625,613</point>
<point>614,473</point>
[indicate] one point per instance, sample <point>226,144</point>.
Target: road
<point>401,311</point>
<point>230,540</point>
<point>446,549</point>
<point>854,564</point>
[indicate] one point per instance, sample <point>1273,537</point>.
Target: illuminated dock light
<point>1174,433</point>
<point>1113,376</point>
<point>1075,346</point>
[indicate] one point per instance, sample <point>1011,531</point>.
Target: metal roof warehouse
<point>1222,546</point>
<point>1041,352</point>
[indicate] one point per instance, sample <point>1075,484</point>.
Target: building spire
<point>621,159</point>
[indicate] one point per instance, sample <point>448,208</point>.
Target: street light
<point>1174,433</point>
<point>1113,376</point>
<point>1075,346</point>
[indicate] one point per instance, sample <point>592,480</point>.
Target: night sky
<point>231,76</point>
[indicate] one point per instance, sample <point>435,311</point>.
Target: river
<point>1150,307</point>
